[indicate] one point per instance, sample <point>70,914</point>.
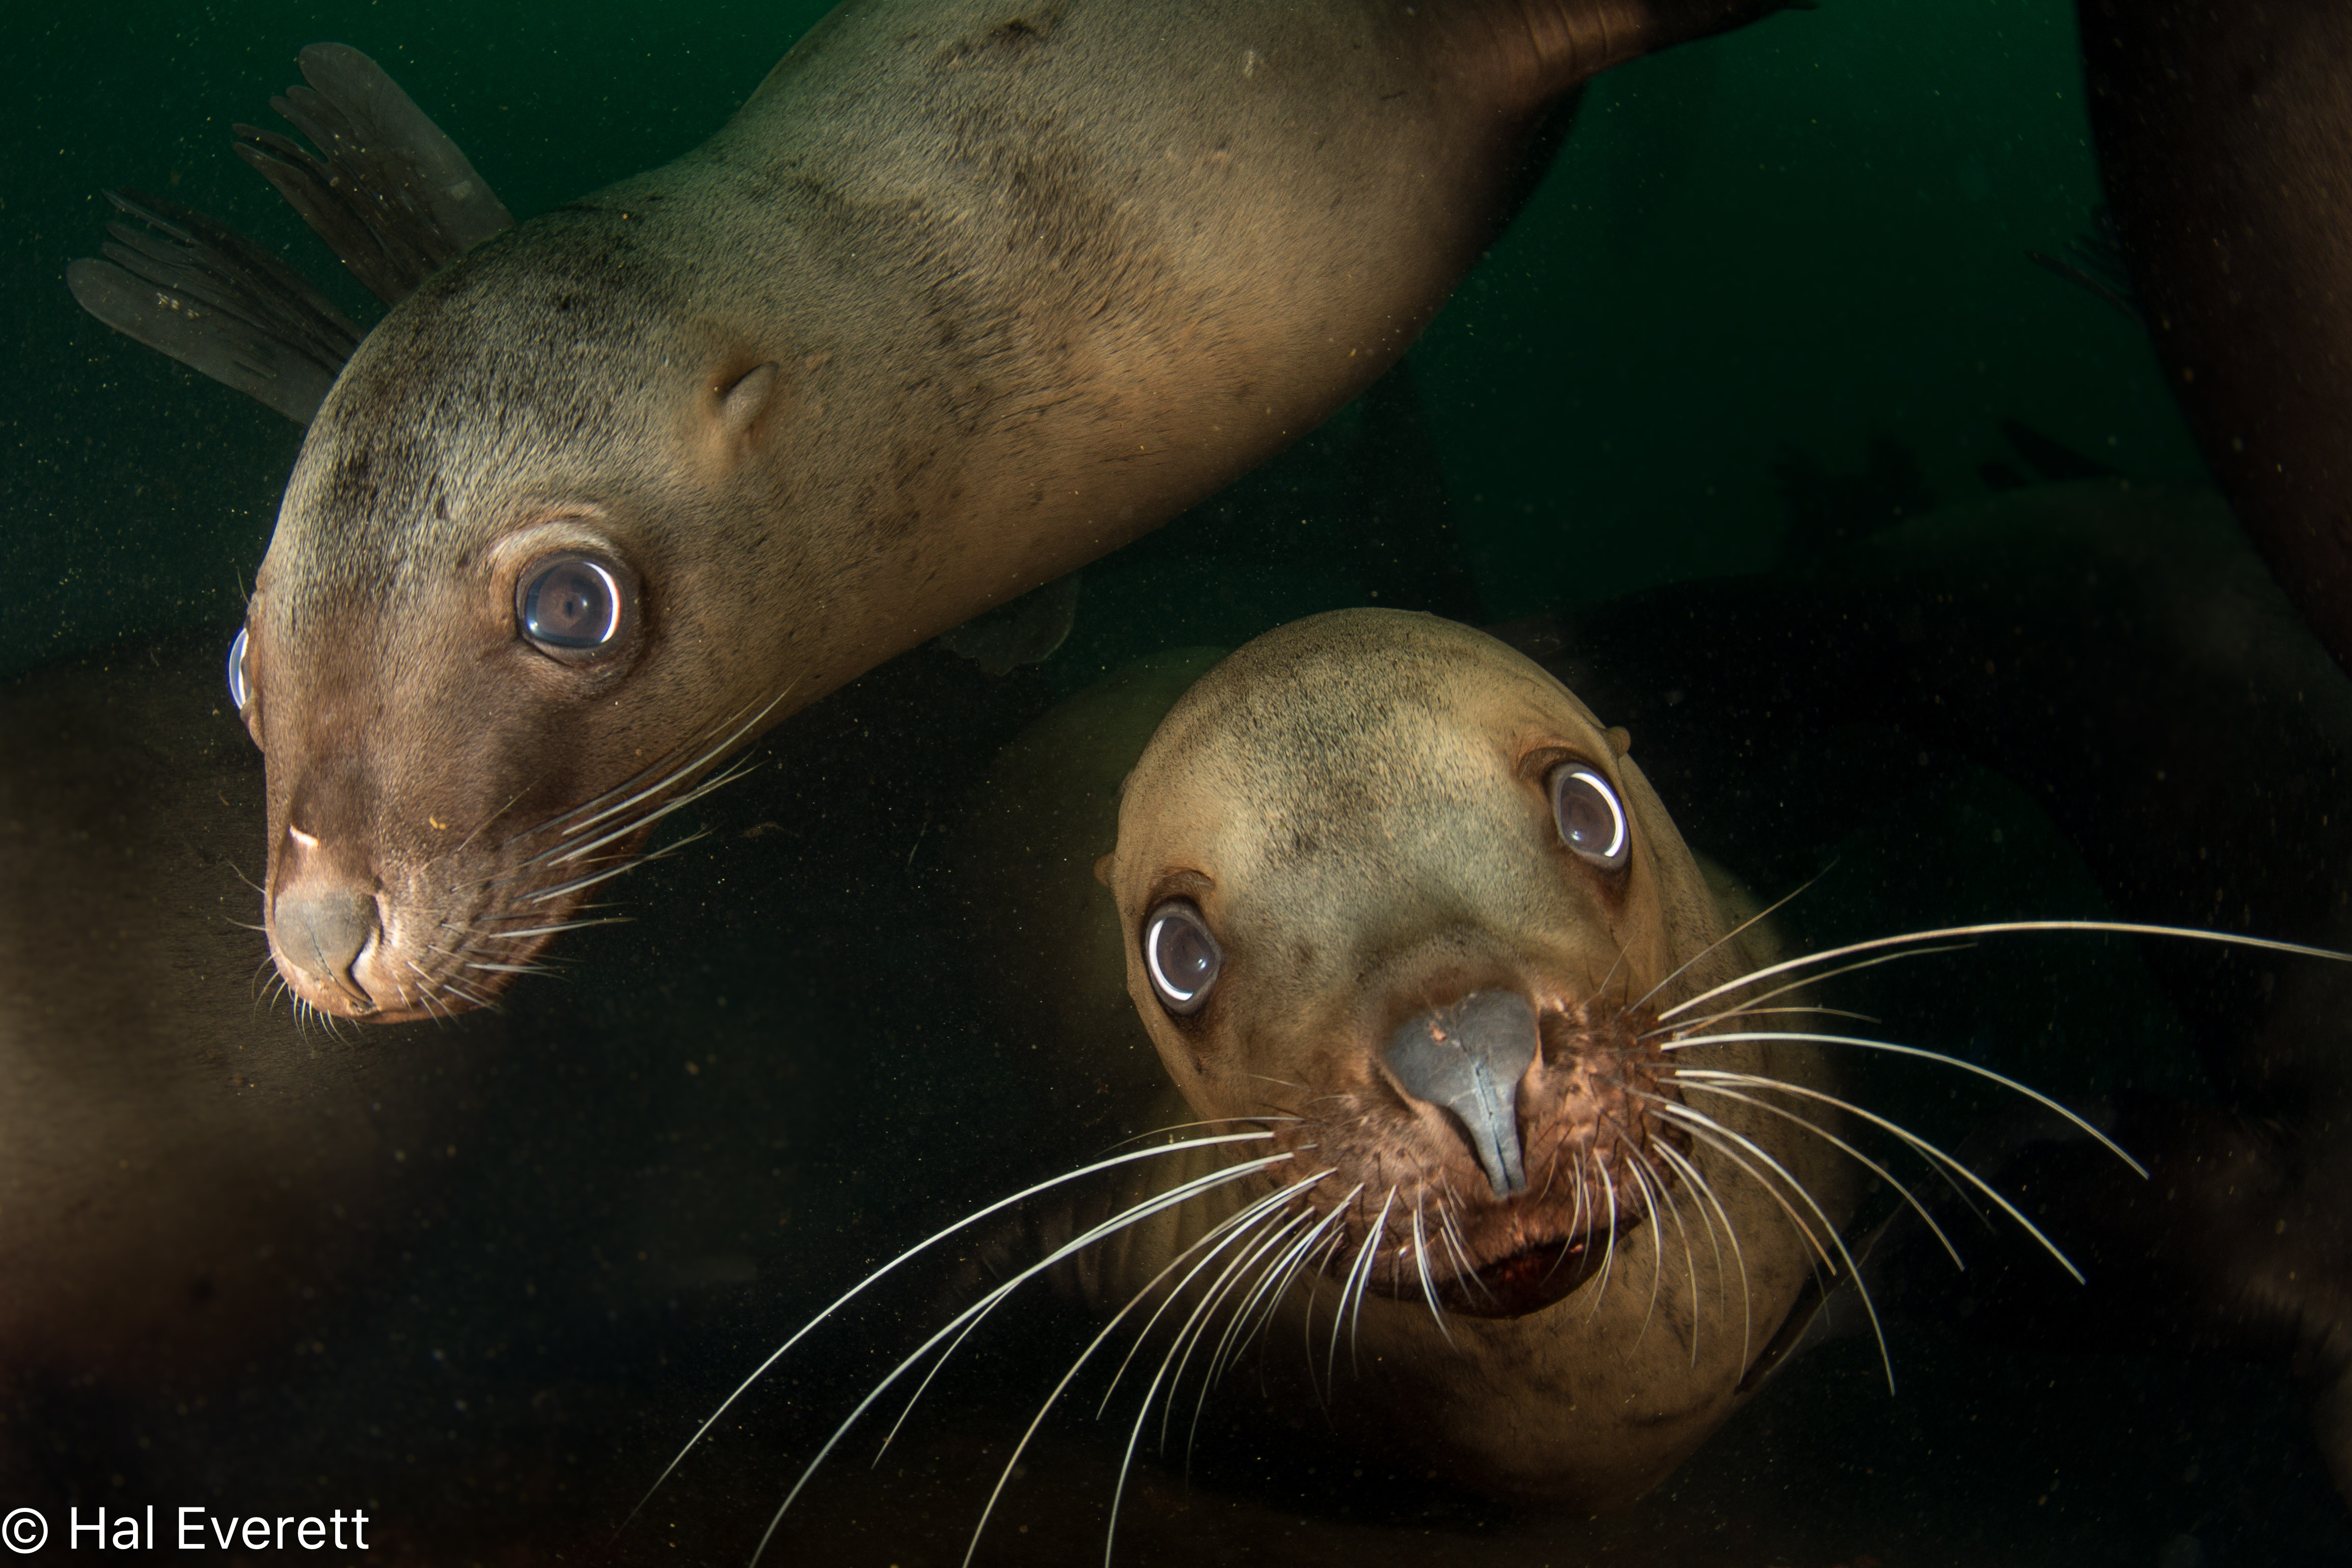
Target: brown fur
<point>1356,803</point>
<point>962,298</point>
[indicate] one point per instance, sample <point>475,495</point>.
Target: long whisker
<point>1889,1046</point>
<point>1759,917</point>
<point>1188,1126</point>
<point>1244,1268</point>
<point>1658,1237</point>
<point>917,1250</point>
<point>1238,1226</point>
<point>1705,1189</point>
<point>707,755</point>
<point>644,820</point>
<point>1925,1150</point>
<point>1360,1277</point>
<point>2001,927</point>
<point>1012,1462</point>
<point>1230,1230</point>
<point>1608,1252</point>
<point>1694,1120</point>
<point>1420,1260</point>
<point>1693,1026</point>
<point>1690,1259</point>
<point>1183,1193</point>
<point>1810,1009</point>
<point>1711,1081</point>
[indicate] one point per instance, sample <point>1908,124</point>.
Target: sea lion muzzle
<point>320,925</point>
<point>1468,1059</point>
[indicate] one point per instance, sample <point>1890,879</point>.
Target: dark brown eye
<point>570,607</point>
<point>1592,819</point>
<point>1182,957</point>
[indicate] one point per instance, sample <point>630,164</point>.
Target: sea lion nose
<point>321,926</point>
<point>1469,1058</point>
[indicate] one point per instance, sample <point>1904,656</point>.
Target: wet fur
<point>960,300</point>
<point>1347,801</point>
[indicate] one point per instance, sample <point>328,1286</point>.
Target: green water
<point>1766,255</point>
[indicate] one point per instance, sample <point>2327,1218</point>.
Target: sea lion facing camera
<point>962,298</point>
<point>1391,892</point>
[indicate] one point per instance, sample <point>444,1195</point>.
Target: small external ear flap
<point>740,405</point>
<point>1102,869</point>
<point>1621,739</point>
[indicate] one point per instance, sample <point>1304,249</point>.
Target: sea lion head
<point>506,617</point>
<point>1389,887</point>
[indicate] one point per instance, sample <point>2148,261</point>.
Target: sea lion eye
<point>1182,957</point>
<point>570,606</point>
<point>240,690</point>
<point>1592,819</point>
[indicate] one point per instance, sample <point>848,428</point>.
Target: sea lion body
<point>960,300</point>
<point>1356,806</point>
<point>2224,135</point>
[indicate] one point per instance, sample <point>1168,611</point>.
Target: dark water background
<point>1777,285</point>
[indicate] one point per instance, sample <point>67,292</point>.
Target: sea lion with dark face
<point>962,298</point>
<point>1390,892</point>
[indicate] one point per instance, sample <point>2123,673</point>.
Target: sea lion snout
<point>320,924</point>
<point>1468,1059</point>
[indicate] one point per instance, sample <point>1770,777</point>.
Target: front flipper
<point>196,290</point>
<point>392,195</point>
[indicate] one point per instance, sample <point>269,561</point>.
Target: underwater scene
<point>1521,782</point>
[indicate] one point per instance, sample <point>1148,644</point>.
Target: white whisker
<point>2003,927</point>
<point>1759,917</point>
<point>1012,1462</point>
<point>1705,1189</point>
<point>1889,1046</point>
<point>1925,1150</point>
<point>1696,1120</point>
<point>916,1250</point>
<point>1183,1193</point>
<point>1421,1261</point>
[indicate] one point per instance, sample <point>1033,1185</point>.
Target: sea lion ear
<point>1103,869</point>
<point>740,405</point>
<point>1621,739</point>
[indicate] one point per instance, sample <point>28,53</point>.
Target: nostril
<point>1468,1059</point>
<point>321,929</point>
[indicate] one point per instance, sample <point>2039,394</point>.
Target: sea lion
<point>186,1177</point>
<point>1386,884</point>
<point>1386,892</point>
<point>2224,136</point>
<point>960,300</point>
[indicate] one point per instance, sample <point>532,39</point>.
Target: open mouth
<point>1531,1278</point>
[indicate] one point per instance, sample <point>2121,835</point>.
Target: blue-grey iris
<point>571,605</point>
<point>1180,956</point>
<point>1592,819</point>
